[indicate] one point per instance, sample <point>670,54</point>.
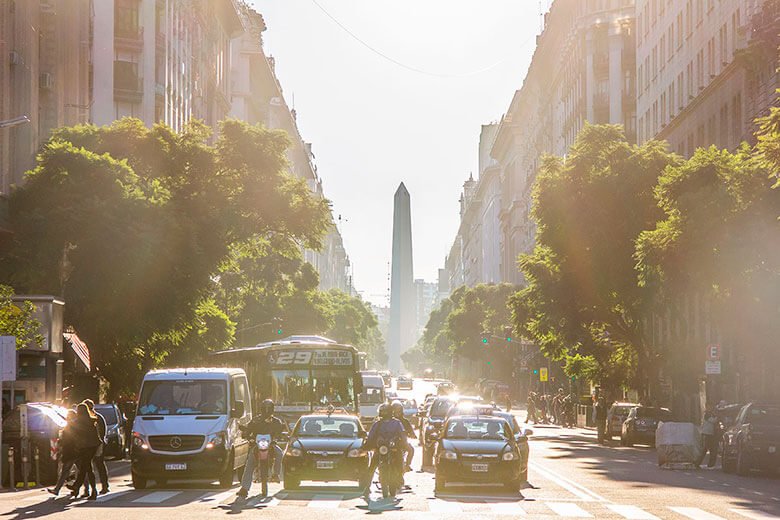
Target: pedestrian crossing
<point>449,506</point>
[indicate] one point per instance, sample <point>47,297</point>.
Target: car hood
<point>474,446</point>
<point>325,444</point>
<point>179,424</point>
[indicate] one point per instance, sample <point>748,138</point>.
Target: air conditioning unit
<point>45,81</point>
<point>16,58</point>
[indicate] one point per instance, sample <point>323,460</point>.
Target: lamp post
<point>16,121</point>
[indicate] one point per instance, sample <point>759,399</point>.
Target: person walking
<point>601,419</point>
<point>68,452</point>
<point>98,461</point>
<point>530,408</point>
<point>710,437</point>
<point>87,441</point>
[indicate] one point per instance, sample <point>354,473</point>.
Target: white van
<point>187,426</point>
<point>371,397</point>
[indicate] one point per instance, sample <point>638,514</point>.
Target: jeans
<point>85,474</point>
<point>99,465</point>
<point>67,465</point>
<point>710,443</point>
<point>251,464</point>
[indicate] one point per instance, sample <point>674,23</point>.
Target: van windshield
<point>183,397</point>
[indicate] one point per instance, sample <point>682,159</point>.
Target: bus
<point>300,374</point>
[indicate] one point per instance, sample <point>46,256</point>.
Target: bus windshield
<point>300,388</point>
<point>334,387</point>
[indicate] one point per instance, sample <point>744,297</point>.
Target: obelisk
<point>402,304</point>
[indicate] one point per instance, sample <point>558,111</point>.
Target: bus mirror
<point>238,410</point>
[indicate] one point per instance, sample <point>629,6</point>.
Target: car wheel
<point>139,482</point>
<point>729,465</point>
<point>293,483</point>
<point>226,479</point>
<point>743,468</point>
<point>440,483</point>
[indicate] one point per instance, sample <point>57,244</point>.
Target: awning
<point>79,347</point>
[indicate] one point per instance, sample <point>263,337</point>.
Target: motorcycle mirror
<point>238,410</point>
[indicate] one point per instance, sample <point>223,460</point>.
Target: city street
<point>571,475</point>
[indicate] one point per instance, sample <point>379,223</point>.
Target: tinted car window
<point>653,413</point>
<point>108,413</point>
<point>491,429</point>
<point>327,427</point>
<point>621,410</point>
<point>440,407</point>
<point>769,415</point>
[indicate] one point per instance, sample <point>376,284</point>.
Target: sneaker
<point>53,491</point>
<point>104,491</point>
<point>92,497</point>
<point>242,493</point>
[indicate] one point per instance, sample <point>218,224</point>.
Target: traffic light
<point>508,334</point>
<point>279,331</point>
<point>485,338</point>
<point>536,371</point>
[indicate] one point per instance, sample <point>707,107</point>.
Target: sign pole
<point>7,373</point>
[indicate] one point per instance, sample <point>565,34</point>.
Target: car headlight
<point>294,452</point>
<point>354,453</point>
<point>139,441</point>
<point>450,455</point>
<point>218,439</point>
<point>508,456</point>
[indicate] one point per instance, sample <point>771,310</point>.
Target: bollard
<point>37,458</point>
<point>11,469</point>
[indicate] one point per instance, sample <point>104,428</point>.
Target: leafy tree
<point>18,320</point>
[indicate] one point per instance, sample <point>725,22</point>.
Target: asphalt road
<point>572,478</point>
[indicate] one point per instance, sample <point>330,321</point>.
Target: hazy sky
<point>374,123</point>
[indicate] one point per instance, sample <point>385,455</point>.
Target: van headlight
<point>508,456</point>
<point>450,455</point>
<point>294,452</point>
<point>216,440</point>
<point>139,441</point>
<point>354,453</point>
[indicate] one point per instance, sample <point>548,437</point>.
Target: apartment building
<point>704,72</point>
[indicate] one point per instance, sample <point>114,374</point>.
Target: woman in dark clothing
<point>68,452</point>
<point>87,442</point>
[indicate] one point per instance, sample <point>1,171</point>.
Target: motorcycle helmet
<point>385,412</point>
<point>397,409</point>
<point>267,408</point>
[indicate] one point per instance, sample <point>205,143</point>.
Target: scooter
<point>390,468</point>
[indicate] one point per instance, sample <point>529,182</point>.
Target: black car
<point>641,423</point>
<point>478,449</point>
<point>326,448</point>
<point>521,434</point>
<point>45,422</point>
<point>753,441</point>
<point>115,430</point>
<point>432,424</point>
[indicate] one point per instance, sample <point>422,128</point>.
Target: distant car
<point>387,378</point>
<point>115,430</point>
<point>422,410</point>
<point>404,383</point>
<point>753,441</point>
<point>616,416</point>
<point>641,423</point>
<point>45,422</point>
<point>445,388</point>
<point>391,395</point>
<point>469,408</point>
<point>326,448</point>
<point>431,427</point>
<point>478,449</point>
<point>410,409</point>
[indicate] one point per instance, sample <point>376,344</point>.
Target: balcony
<point>128,86</point>
<point>128,37</point>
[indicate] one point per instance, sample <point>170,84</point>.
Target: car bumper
<point>208,464</point>
<point>305,468</point>
<point>642,437</point>
<point>463,471</point>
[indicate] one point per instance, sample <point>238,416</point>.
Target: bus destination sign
<point>338,358</point>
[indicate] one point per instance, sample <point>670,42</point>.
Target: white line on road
<point>216,496</point>
<point>568,510</point>
<point>574,488</point>
<point>694,513</point>
<point>443,506</point>
<point>111,496</point>
<point>156,497</point>
<point>507,508</point>
<point>325,501</point>
<point>754,515</point>
<point>631,512</point>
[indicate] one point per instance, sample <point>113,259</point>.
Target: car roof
<point>625,404</point>
<point>331,416</point>
<point>476,416</point>
<point>168,374</point>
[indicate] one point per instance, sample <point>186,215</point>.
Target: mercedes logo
<point>175,443</point>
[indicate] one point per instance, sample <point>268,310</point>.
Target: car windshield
<point>621,410</point>
<point>491,429</point>
<point>766,415</point>
<point>653,413</point>
<point>343,427</point>
<point>183,397</point>
<point>410,403</point>
<point>508,417</point>
<point>440,407</point>
<point>108,412</point>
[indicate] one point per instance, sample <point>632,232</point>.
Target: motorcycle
<point>263,453</point>
<point>391,458</point>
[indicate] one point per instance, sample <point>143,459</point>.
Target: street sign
<point>712,368</point>
<point>713,352</point>
<point>543,374</point>
<point>7,358</point>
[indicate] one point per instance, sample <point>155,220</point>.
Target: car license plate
<point>176,467</point>
<point>481,468</point>
<point>324,464</point>
<point>772,449</point>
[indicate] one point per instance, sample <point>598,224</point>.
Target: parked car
<point>326,447</point>
<point>641,423</point>
<point>753,441</point>
<point>616,416</point>
<point>404,383</point>
<point>478,449</point>
<point>116,424</point>
<point>45,421</point>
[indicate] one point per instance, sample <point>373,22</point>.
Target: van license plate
<point>176,467</point>
<point>481,468</point>
<point>772,449</point>
<point>324,464</point>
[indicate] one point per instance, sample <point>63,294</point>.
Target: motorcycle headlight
<point>294,452</point>
<point>383,450</point>
<point>139,441</point>
<point>218,439</point>
<point>354,453</point>
<point>508,456</point>
<point>450,455</point>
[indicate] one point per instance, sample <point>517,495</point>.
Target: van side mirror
<point>238,410</point>
<point>362,434</point>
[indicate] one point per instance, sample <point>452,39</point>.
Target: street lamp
<point>16,121</point>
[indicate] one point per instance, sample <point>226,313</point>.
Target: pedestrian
<point>601,420</point>
<point>67,452</point>
<point>530,408</point>
<point>99,461</point>
<point>709,437</point>
<point>87,441</point>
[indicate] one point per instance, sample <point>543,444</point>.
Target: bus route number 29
<point>300,357</point>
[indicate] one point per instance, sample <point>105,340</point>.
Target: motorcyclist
<point>398,413</point>
<point>386,429</point>
<point>264,424</point>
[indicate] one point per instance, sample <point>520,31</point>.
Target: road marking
<point>507,508</point>
<point>263,502</point>
<point>111,496</point>
<point>755,515</point>
<point>568,510</point>
<point>572,487</point>
<point>443,506</point>
<point>216,496</point>
<point>156,497</point>
<point>631,512</point>
<point>325,501</point>
<point>694,513</point>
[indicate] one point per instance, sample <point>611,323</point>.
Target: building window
<point>126,19</point>
<point>679,30</point>
<point>736,119</point>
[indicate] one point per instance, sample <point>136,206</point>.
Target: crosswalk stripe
<point>507,508</point>
<point>156,497</point>
<point>443,506</point>
<point>568,510</point>
<point>754,515</point>
<point>631,512</point>
<point>111,496</point>
<point>325,501</point>
<point>694,513</point>
<point>216,496</point>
